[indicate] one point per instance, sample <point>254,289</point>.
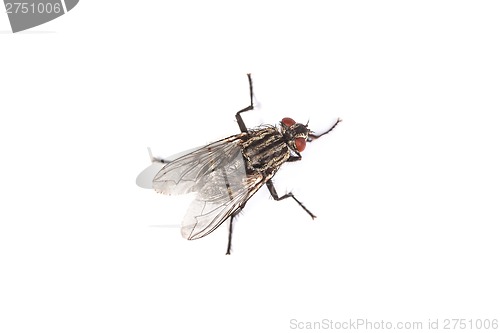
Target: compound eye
<point>300,144</point>
<point>288,121</point>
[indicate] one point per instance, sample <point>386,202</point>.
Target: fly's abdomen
<point>265,149</point>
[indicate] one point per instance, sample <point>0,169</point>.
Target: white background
<point>406,189</point>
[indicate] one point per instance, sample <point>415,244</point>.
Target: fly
<point>227,173</point>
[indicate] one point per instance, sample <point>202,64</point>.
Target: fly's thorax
<point>265,149</point>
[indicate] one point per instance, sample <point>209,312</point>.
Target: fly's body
<point>264,150</point>
<point>226,173</point>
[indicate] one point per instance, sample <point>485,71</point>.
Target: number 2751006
<point>32,8</point>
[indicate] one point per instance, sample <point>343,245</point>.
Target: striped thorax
<point>267,148</point>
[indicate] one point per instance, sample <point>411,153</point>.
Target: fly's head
<point>295,134</point>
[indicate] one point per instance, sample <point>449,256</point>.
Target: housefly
<point>227,173</point>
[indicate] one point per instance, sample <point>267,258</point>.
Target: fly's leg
<point>294,158</point>
<point>230,193</point>
<point>312,137</point>
<point>230,235</point>
<point>157,159</point>
<point>243,128</point>
<point>239,120</point>
<point>275,196</point>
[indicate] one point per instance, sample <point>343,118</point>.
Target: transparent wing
<point>145,178</point>
<point>221,196</point>
<point>218,174</point>
<point>185,174</point>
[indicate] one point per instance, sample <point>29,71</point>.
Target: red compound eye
<point>288,121</point>
<point>300,144</point>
